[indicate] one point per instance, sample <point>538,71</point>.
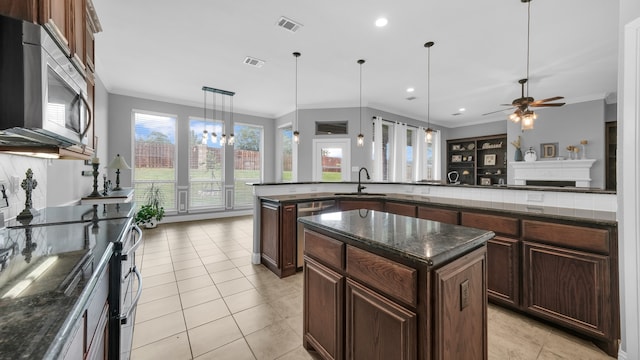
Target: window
<point>286,166</point>
<point>206,170</point>
<point>247,163</point>
<point>401,154</point>
<point>155,156</point>
<point>331,160</point>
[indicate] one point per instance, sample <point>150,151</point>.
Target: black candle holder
<point>95,192</point>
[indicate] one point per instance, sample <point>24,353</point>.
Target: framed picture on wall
<point>490,160</point>
<point>549,150</point>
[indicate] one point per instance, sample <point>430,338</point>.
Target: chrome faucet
<point>360,186</point>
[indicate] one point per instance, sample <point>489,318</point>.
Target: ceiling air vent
<point>411,98</point>
<point>289,24</point>
<point>253,61</point>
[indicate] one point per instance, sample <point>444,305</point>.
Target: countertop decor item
<point>28,184</point>
<point>530,155</point>
<point>95,163</point>
<point>584,143</point>
<point>118,163</point>
<point>517,144</point>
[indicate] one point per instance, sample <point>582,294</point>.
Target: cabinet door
<point>289,236</point>
<point>78,32</point>
<point>25,10</point>
<point>361,204</point>
<point>400,209</point>
<point>441,215</point>
<point>503,270</point>
<point>567,286</point>
<point>323,310</point>
<point>269,233</point>
<point>460,310</point>
<point>56,17</point>
<point>376,327</point>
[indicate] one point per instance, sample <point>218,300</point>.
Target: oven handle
<point>124,316</point>
<point>125,256</point>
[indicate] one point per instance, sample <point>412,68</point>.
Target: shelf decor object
<point>28,184</point>
<point>490,160</point>
<point>549,150</point>
<point>117,163</point>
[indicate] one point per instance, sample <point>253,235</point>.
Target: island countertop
<point>429,242</point>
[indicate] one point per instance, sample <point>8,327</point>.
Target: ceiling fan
<point>522,104</point>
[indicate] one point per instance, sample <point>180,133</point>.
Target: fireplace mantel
<point>553,170</point>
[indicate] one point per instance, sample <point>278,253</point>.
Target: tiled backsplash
<point>12,171</point>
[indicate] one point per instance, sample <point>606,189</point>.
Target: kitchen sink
<point>360,194</point>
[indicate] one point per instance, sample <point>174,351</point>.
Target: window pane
<point>286,135</point>
<point>155,156</point>
<point>410,149</point>
<point>206,159</point>
<point>331,164</point>
<point>247,162</point>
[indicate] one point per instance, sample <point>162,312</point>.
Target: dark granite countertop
<point>75,214</point>
<point>35,322</point>
<point>429,242</point>
<point>569,214</point>
<point>441,183</point>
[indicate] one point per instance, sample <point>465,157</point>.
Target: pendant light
<point>232,139</point>
<point>296,133</point>
<point>428,136</point>
<point>205,133</point>
<point>223,138</point>
<point>360,140</point>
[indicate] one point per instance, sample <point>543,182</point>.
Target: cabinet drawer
<point>325,249</point>
<point>441,215</point>
<point>500,225</point>
<point>394,279</point>
<point>576,237</point>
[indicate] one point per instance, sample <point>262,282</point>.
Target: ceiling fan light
<point>515,117</point>
<point>528,120</point>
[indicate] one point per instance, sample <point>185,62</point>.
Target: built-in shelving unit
<point>479,160</point>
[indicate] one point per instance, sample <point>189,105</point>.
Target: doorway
<point>331,160</point>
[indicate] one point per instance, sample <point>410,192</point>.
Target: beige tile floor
<point>203,299</point>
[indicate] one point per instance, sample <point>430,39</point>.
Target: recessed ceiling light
<point>462,109</point>
<point>382,22</point>
<point>411,89</point>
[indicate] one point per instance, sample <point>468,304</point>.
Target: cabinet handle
<point>124,316</point>
<point>134,247</point>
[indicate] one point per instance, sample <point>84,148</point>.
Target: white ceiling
<point>167,50</point>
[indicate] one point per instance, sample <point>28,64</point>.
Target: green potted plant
<point>152,211</point>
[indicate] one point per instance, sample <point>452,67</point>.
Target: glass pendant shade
<point>528,119</point>
<point>223,139</point>
<point>428,136</point>
<point>360,140</point>
<point>205,137</point>
<point>296,136</point>
<point>232,139</point>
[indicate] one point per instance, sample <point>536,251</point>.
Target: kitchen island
<point>380,285</point>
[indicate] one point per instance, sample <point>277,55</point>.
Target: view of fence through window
<point>206,165</point>
<point>155,157</point>
<point>247,163</point>
<point>287,153</point>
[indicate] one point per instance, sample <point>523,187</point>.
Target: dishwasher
<point>308,209</point>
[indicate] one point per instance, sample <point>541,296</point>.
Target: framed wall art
<point>490,160</point>
<point>549,150</point>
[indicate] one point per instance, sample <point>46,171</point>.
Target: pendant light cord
<point>528,40</point>
<point>360,62</point>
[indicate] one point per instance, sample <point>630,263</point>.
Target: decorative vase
<point>518,155</point>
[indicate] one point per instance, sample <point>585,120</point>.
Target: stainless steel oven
<point>125,276</point>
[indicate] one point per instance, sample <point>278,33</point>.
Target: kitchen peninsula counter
<point>424,283</point>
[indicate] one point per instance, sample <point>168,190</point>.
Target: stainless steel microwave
<point>43,97</point>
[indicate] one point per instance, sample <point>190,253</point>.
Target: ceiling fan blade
<point>544,105</point>
<point>493,112</point>
<point>548,99</point>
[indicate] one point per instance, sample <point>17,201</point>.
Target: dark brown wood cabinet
<point>323,321</point>
<point>278,238</point>
<point>361,305</point>
<point>400,208</point>
<point>376,327</point>
<point>502,255</point>
<point>354,204</point>
<point>441,215</point>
